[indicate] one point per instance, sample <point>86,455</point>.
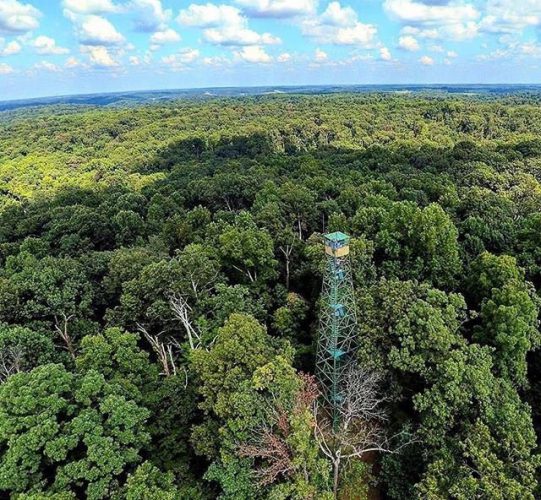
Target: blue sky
<point>54,47</point>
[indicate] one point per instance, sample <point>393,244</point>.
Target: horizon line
<point>291,86</point>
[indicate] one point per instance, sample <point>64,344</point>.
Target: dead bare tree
<point>270,443</point>
<point>200,282</point>
<point>163,350</point>
<point>360,428</point>
<point>287,250</point>
<point>181,309</point>
<point>11,361</point>
<point>61,326</point>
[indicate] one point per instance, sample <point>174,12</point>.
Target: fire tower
<point>338,320</point>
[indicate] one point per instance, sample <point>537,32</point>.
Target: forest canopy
<point>160,280</point>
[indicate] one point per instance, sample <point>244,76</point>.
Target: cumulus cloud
<point>9,49</point>
<point>72,62</point>
<point>415,12</point>
<point>385,54</point>
<point>96,30</point>
<point>232,36</point>
<point>284,57</point>
<point>5,69</point>
<point>320,56</point>
<point>510,16</point>
<point>451,20</point>
<point>431,34</point>
<point>151,16</point>
<point>223,25</point>
<point>408,43</point>
<point>99,56</point>
<point>336,15</point>
<point>515,50</point>
<point>47,46</point>
<point>47,66</point>
<point>339,26</point>
<point>210,16</point>
<point>90,6</point>
<point>426,61</point>
<point>277,8</point>
<point>181,58</point>
<point>216,61</point>
<point>16,17</point>
<point>166,36</point>
<point>253,54</point>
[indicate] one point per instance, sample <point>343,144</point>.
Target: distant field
<point>140,97</point>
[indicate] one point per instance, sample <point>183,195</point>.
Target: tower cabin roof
<point>337,237</point>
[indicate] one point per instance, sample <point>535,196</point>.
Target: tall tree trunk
<point>287,272</point>
<point>336,476</point>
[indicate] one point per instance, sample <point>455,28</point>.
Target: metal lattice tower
<point>338,320</point>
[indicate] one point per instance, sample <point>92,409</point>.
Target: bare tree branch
<point>163,350</point>
<point>62,330</point>
<point>270,444</point>
<point>361,425</point>
<point>11,359</point>
<point>181,309</point>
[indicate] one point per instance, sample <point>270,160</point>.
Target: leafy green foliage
<point>107,214</point>
<point>62,431</point>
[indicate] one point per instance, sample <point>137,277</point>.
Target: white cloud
<point>45,45</point>
<point>339,26</point>
<point>415,12</point>
<point>385,54</point>
<point>10,49</point>
<point>530,49</point>
<point>47,66</point>
<point>253,54</point>
<point>16,17</point>
<point>454,31</point>
<point>90,6</point>
<point>99,56</point>
<point>510,16</point>
<point>234,36</point>
<point>167,36</point>
<point>514,51</point>
<point>283,58</point>
<point>320,56</point>
<point>96,30</point>
<point>453,20</point>
<point>408,43</point>
<point>459,32</point>
<point>216,61</point>
<point>426,61</point>
<point>151,16</point>
<point>223,25</point>
<point>420,33</point>
<point>72,62</point>
<point>210,16</point>
<point>134,61</point>
<point>278,8</point>
<point>184,56</point>
<point>5,69</point>
<point>336,15</point>
<point>452,54</point>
